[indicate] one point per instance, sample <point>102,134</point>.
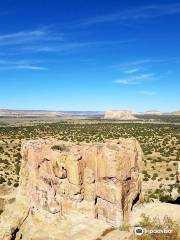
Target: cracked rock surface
<point>77,190</point>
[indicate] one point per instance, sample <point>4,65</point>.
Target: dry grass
<point>157,224</point>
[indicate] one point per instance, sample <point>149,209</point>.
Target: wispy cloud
<point>136,72</point>
<point>144,65</point>
<point>132,70</point>
<point>144,62</point>
<point>139,13</point>
<point>68,46</point>
<point>44,40</point>
<point>30,67</point>
<point>23,67</point>
<point>31,36</point>
<point>147,93</point>
<point>14,45</point>
<point>20,65</point>
<point>135,79</point>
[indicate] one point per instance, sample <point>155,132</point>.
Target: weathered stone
<point>74,169</point>
<point>109,191</point>
<point>89,175</point>
<point>109,212</point>
<point>90,191</point>
<point>98,180</point>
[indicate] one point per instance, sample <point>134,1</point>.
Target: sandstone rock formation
<point>120,115</point>
<point>177,113</point>
<point>99,180</point>
<point>153,112</point>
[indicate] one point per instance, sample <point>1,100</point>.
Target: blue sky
<point>90,55</point>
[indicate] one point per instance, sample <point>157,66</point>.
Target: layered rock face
<point>119,115</point>
<point>99,180</point>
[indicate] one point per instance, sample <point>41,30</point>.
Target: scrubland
<point>160,144</point>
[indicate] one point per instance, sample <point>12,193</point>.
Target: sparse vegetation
<point>125,227</point>
<point>60,148</point>
<point>167,229</point>
<point>160,144</point>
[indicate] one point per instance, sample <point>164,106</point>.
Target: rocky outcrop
<point>119,115</point>
<point>153,112</point>
<point>99,180</point>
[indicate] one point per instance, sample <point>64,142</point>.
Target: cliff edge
<point>60,182</point>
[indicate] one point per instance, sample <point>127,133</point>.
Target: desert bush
<point>172,175</point>
<point>1,150</point>
<point>16,184</point>
<point>60,148</point>
<point>2,180</point>
<point>165,198</point>
<point>17,168</point>
<point>155,175</point>
<point>168,169</point>
<point>125,227</point>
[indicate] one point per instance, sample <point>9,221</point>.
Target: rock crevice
<point>98,181</point>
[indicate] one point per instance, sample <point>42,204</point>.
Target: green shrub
<point>61,148</point>
<point>155,175</point>
<point>165,198</point>
<point>2,180</point>
<point>1,150</point>
<point>16,184</point>
<point>17,169</point>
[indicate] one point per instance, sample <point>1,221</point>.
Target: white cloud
<point>23,37</point>
<point>143,62</point>
<point>23,67</point>
<point>135,79</point>
<point>12,65</point>
<point>139,13</point>
<point>23,34</point>
<point>30,67</point>
<point>132,70</point>
<point>73,45</point>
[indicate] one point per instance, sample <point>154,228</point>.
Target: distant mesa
<point>120,115</point>
<point>47,113</point>
<point>114,114</point>
<point>177,113</point>
<point>153,112</point>
<point>156,112</point>
<point>29,113</point>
